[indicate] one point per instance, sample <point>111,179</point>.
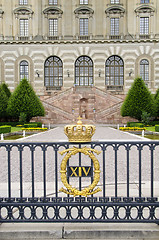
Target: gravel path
<point>57,134</point>
<point>102,133</point>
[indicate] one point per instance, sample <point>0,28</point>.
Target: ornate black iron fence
<point>31,188</point>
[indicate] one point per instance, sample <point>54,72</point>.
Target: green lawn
<point>152,128</point>
<point>16,129</point>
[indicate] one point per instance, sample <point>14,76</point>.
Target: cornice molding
<point>145,9</point>
<point>84,10</point>
<point>52,10</point>
<point>23,11</point>
<point>115,10</point>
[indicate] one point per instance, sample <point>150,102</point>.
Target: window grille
<point>24,27</point>
<point>144,25</point>
<point>53,72</point>
<point>114,1</point>
<point>114,26</point>
<point>53,2</point>
<point>144,69</point>
<point>84,71</point>
<point>144,1</point>
<point>23,2</point>
<point>83,1</point>
<point>53,27</point>
<point>114,71</point>
<point>24,70</point>
<point>83,26</point>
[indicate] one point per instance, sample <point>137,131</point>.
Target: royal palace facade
<point>81,56</point>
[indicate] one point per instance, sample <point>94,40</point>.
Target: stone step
<point>109,231</point>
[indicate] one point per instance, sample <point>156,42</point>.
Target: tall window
<point>114,71</point>
<point>114,1</point>
<point>24,70</point>
<point>52,2</point>
<point>144,1</point>
<point>144,69</point>
<point>144,25</point>
<point>84,71</point>
<point>114,26</point>
<point>53,27</point>
<point>83,1</point>
<point>24,27</point>
<point>23,2</point>
<point>53,72</point>
<point>83,26</point>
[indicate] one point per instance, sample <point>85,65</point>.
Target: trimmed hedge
<point>33,124</point>
<point>13,124</point>
<point>5,129</point>
<point>30,125</point>
<point>135,124</point>
<point>156,128</point>
<point>153,123</point>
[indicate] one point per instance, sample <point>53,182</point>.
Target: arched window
<point>53,73</point>
<point>24,70</point>
<point>144,69</point>
<point>84,71</point>
<point>114,72</point>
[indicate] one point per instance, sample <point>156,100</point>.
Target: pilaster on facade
<point>1,24</point>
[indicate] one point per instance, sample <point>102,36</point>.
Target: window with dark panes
<point>114,71</point>
<point>84,71</point>
<point>144,69</point>
<point>53,72</point>
<point>24,70</point>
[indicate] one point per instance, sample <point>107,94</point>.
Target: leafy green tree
<point>3,103</point>
<point>138,100</point>
<point>156,99</point>
<point>24,100</point>
<point>145,118</point>
<point>6,90</point>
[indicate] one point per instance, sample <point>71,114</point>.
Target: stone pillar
<point>151,19</point>
<point>77,27</point>
<point>16,27</point>
<point>30,28</point>
<point>45,27</point>
<point>1,26</point>
<point>60,26</point>
<point>137,25</point>
<point>90,26</point>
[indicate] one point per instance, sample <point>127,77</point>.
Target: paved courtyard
<point>57,134</point>
<point>102,133</point>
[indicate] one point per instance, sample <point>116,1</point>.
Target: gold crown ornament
<point>79,132</point>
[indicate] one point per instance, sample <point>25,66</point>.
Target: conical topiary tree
<point>138,100</point>
<point>3,103</point>
<point>6,90</point>
<point>24,100</point>
<point>156,97</point>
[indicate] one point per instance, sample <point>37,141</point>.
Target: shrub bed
<point>30,125</point>
<point>5,129</point>
<point>132,128</point>
<point>34,129</point>
<point>135,124</point>
<point>33,125</point>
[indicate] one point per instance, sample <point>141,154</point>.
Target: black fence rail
<point>31,188</point>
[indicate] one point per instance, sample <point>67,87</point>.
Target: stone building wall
<point>131,44</point>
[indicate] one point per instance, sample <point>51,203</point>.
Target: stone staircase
<point>92,104</point>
